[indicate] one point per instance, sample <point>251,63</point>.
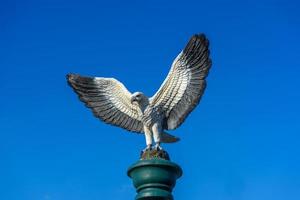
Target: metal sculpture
<point>179,94</point>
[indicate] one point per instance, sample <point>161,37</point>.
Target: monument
<point>154,175</point>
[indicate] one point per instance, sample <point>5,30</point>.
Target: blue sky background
<point>241,143</point>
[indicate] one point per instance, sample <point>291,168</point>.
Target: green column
<point>154,176</point>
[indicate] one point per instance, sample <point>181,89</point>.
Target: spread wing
<point>108,99</point>
<point>182,89</point>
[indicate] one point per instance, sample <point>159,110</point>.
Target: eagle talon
<point>148,148</point>
<point>158,147</point>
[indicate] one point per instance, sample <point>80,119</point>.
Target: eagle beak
<point>133,99</point>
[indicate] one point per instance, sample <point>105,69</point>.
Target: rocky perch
<point>154,154</point>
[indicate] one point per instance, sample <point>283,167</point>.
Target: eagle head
<point>139,98</point>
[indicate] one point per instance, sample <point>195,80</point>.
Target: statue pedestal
<point>154,178</point>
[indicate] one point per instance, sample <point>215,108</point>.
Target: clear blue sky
<point>241,143</point>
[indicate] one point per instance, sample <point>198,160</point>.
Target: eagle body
<point>167,109</point>
<point>152,115</point>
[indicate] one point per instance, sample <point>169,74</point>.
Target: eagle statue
<point>178,95</point>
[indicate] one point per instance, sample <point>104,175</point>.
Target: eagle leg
<point>156,129</point>
<point>148,137</point>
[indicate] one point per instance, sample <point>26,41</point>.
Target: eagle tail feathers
<point>168,138</point>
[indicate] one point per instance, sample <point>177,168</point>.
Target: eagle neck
<point>143,106</point>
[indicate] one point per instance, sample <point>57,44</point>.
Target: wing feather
<point>181,91</point>
<point>108,99</point>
